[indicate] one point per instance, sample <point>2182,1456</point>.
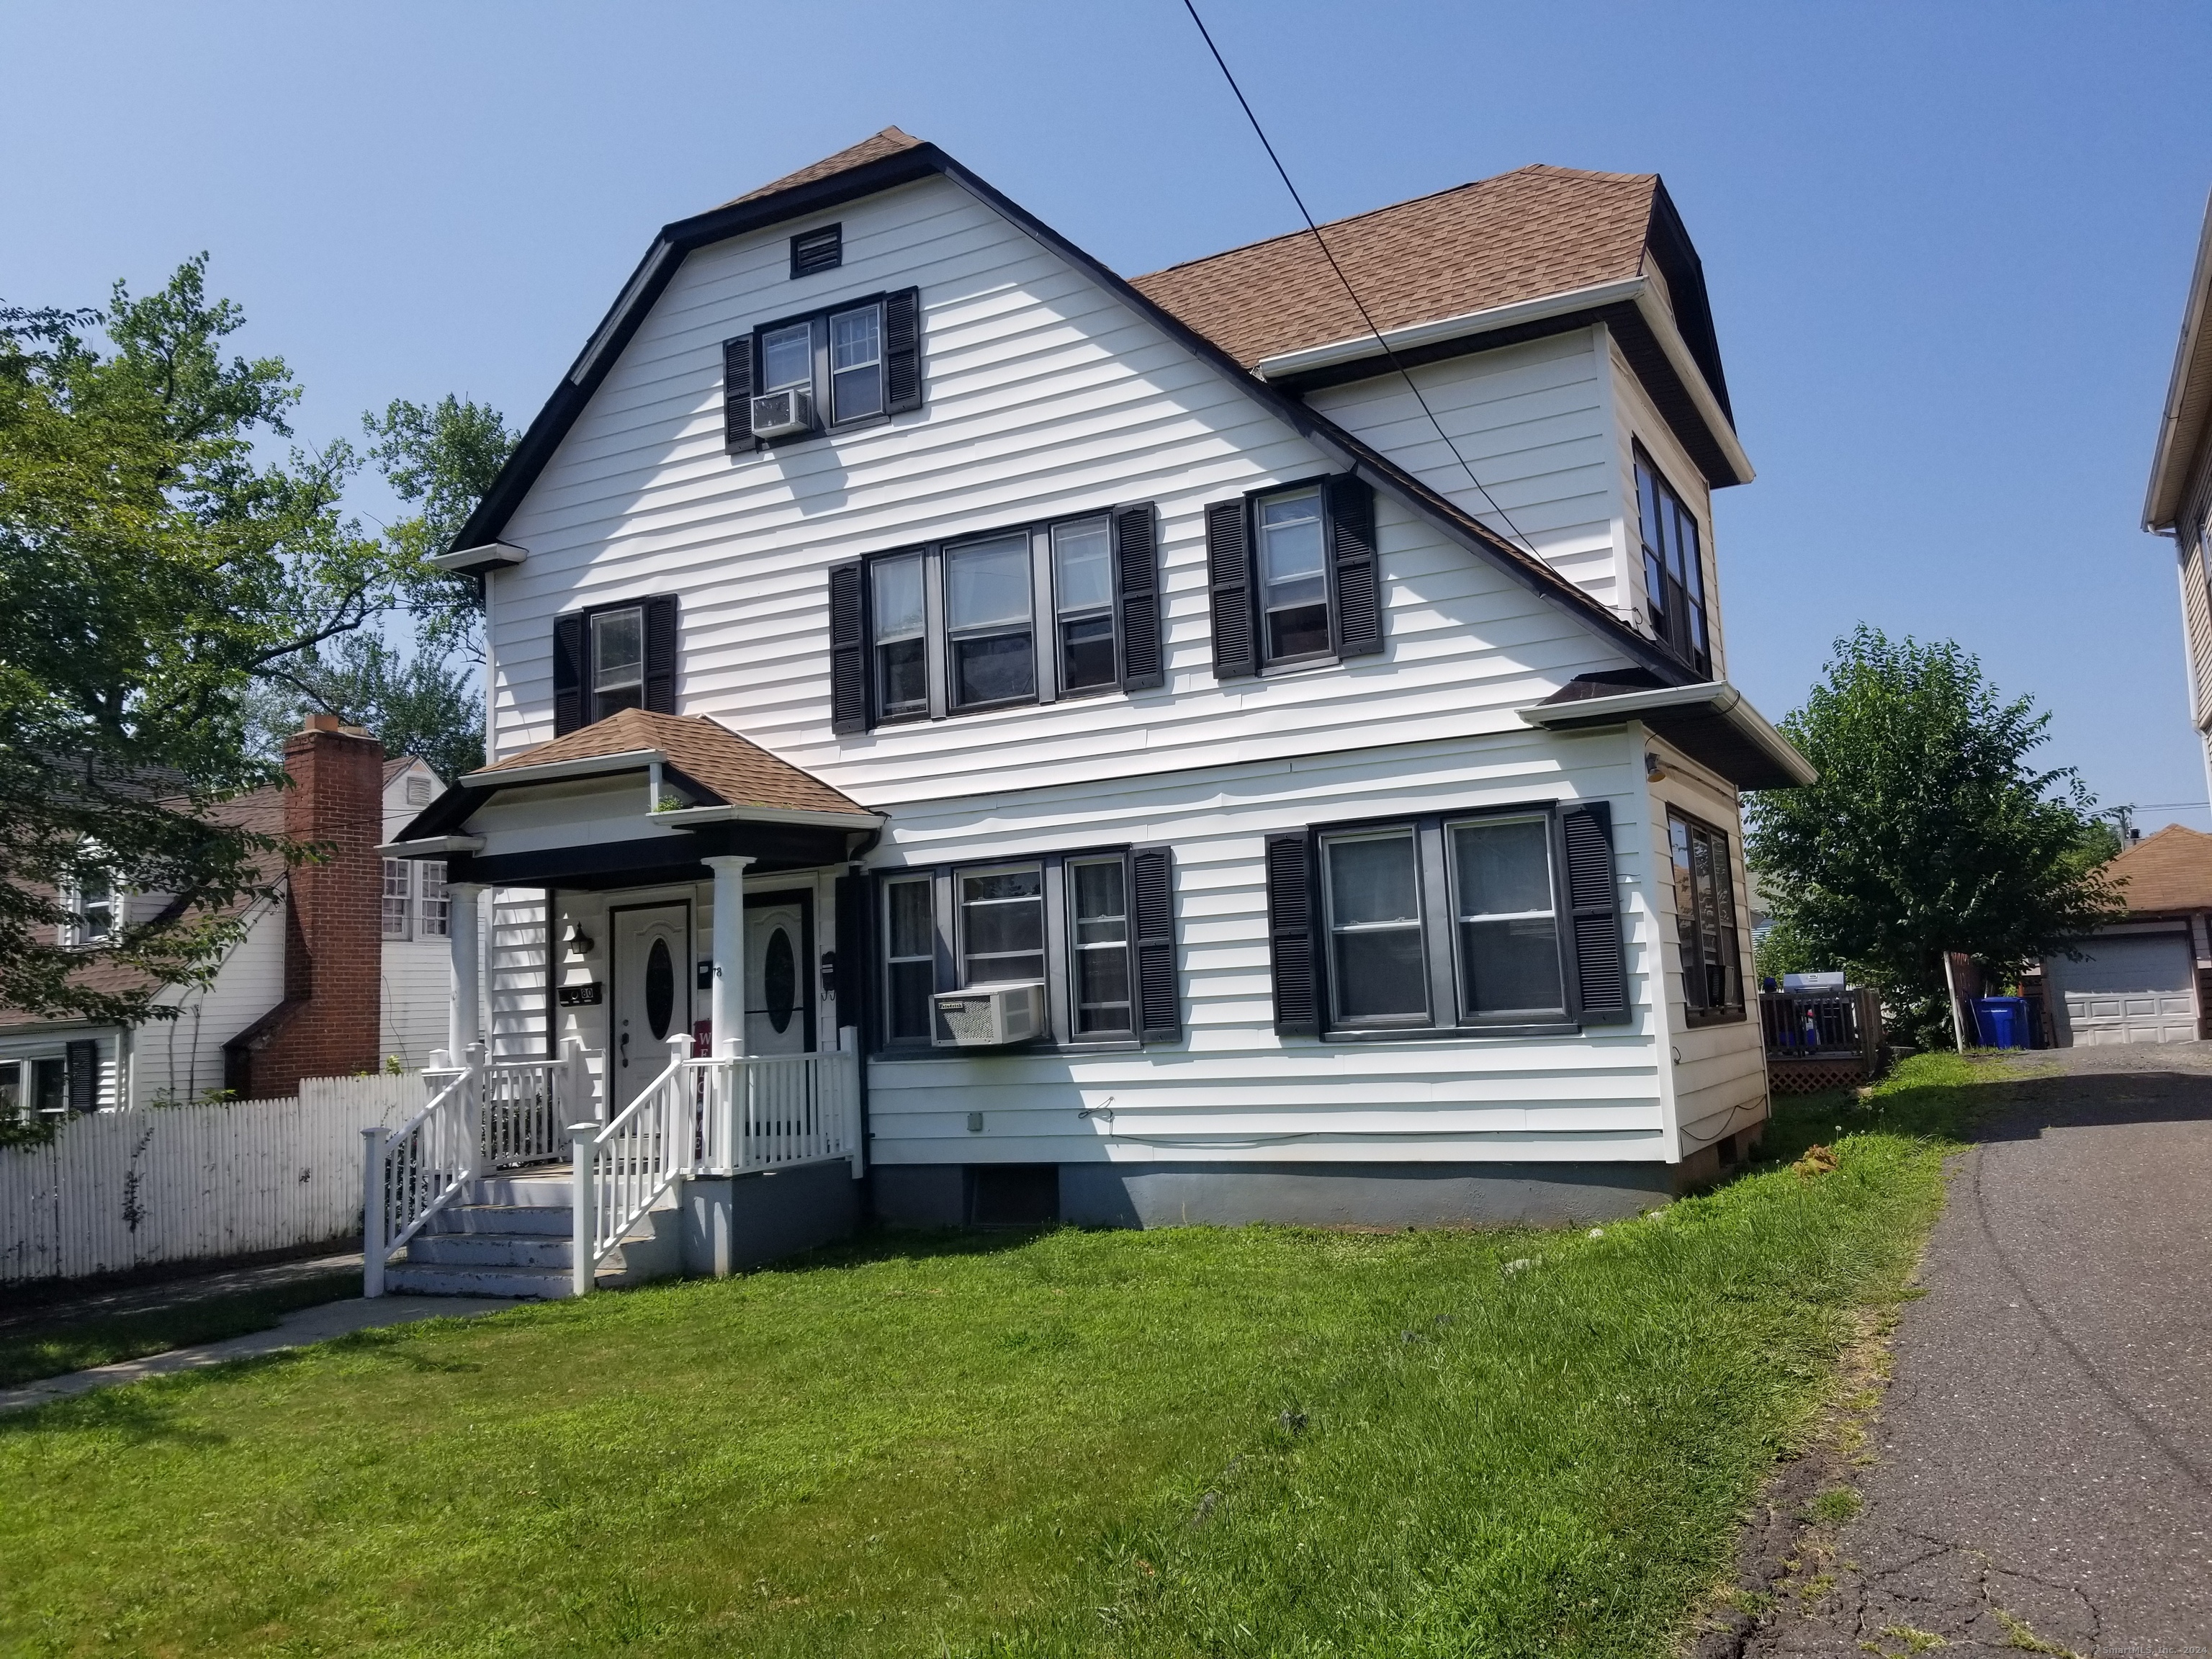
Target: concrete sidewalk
<point>2044,1480</point>
<point>297,1329</point>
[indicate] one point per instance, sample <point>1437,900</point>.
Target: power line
<point>1351,292</point>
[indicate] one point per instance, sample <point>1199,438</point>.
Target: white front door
<point>653,994</point>
<point>779,982</point>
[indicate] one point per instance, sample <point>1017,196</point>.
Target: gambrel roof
<point>892,158</point>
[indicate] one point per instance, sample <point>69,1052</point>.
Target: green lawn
<point>63,1342</point>
<point>1250,1442</point>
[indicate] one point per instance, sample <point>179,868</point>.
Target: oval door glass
<point>659,988</point>
<point>779,981</point>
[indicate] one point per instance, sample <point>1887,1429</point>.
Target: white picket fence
<point>116,1190</point>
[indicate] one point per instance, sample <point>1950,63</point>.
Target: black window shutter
<point>1159,1000</point>
<point>1229,579</point>
<point>737,394</point>
<point>567,674</point>
<point>1353,568</point>
<point>83,1060</point>
<point>849,648</point>
<point>660,696</point>
<point>902,350</point>
<point>854,959</point>
<point>1137,580</point>
<point>1594,902</point>
<point>1290,935</point>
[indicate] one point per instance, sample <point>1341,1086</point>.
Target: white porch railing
<point>409,1174</point>
<point>481,1116</point>
<point>709,1117</point>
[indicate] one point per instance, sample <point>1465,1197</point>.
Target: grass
<point>63,1342</point>
<point>1250,1442</point>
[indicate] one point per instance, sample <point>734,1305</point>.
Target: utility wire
<point>1351,292</point>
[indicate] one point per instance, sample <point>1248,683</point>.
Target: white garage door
<point>2131,988</point>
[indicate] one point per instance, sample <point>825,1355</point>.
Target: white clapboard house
<point>1078,748</point>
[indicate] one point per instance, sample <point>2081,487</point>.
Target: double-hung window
<point>1083,605</point>
<point>1035,613</point>
<point>989,626</point>
<point>1098,933</point>
<point>1674,567</point>
<point>1095,929</point>
<point>855,362</point>
<point>1499,920</point>
<point>910,957</point>
<point>1704,920</point>
<point>1293,578</point>
<point>1371,888</point>
<point>415,902</point>
<point>95,909</point>
<point>901,647</point>
<point>617,660</point>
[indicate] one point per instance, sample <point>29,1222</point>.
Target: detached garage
<point>2142,981</point>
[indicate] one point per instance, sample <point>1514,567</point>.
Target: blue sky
<point>1947,245</point>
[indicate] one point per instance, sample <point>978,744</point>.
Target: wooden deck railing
<point>1839,1028</point>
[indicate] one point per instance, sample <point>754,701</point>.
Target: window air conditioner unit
<point>778,414</point>
<point>990,1016</point>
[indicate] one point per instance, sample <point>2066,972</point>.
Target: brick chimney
<point>329,1022</point>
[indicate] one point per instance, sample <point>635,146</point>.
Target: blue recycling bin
<point>2002,1022</point>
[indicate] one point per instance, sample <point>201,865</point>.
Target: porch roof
<point>736,799</point>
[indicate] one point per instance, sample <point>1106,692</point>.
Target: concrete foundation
<point>732,1222</point>
<point>1386,1195</point>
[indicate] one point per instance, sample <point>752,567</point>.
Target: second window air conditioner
<point>990,1016</point>
<point>779,414</point>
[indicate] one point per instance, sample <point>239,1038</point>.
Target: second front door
<point>779,989</point>
<point>652,994</point>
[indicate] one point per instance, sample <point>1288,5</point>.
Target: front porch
<point>511,1182</point>
<point>687,1036</point>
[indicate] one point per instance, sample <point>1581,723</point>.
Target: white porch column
<point>728,1008</point>
<point>464,1028</point>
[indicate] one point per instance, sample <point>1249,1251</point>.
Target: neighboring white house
<point>53,1065</point>
<point>1325,835</point>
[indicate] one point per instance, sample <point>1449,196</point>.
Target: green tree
<point>152,567</point>
<point>1929,831</point>
<point>413,703</point>
<point>442,458</point>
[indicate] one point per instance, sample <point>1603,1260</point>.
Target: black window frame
<point>1677,615</point>
<point>1128,586</point>
<point>821,387</point>
<point>1447,1014</point>
<point>1059,1034</point>
<point>1696,971</point>
<point>1351,577</point>
<point>575,702</point>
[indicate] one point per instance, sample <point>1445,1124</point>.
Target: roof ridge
<point>1392,207</point>
<point>890,140</point>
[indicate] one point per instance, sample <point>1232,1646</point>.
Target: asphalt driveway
<point>2043,1480</point>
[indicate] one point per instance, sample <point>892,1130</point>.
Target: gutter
<point>1713,698</point>
<point>432,847</point>
<point>2163,501</point>
<point>471,561</point>
<point>685,817</point>
<point>587,766</point>
<point>1493,318</point>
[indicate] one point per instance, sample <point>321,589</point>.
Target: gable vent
<point>813,251</point>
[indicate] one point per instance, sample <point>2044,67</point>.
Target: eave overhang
<point>2188,411</point>
<point>1710,721</point>
<point>475,560</point>
<point>431,846</point>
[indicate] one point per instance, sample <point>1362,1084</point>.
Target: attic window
<point>813,251</point>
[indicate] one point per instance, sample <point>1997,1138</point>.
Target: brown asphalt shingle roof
<point>2169,871</point>
<point>889,141</point>
<point>741,773</point>
<point>1536,231</point>
<point>261,810</point>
